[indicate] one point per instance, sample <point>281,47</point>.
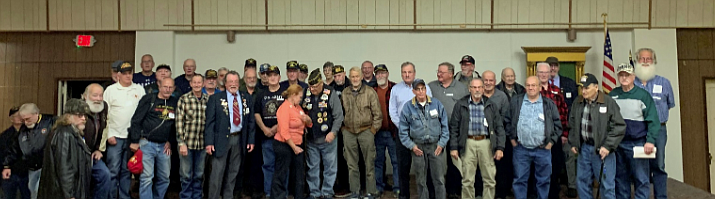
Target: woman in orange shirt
<point>287,147</point>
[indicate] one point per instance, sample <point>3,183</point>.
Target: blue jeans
<point>523,158</point>
<point>269,164</point>
<point>117,158</point>
<point>154,161</point>
<point>33,179</point>
<point>328,152</point>
<point>15,183</point>
<point>657,165</point>
<point>101,182</point>
<point>589,168</point>
<point>384,141</point>
<point>629,169</point>
<point>192,174</point>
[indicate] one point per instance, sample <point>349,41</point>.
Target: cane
<point>600,177</point>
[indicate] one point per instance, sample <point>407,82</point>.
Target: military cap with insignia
<point>380,67</point>
<point>126,66</point>
<point>292,65</point>
<point>264,67</point>
<point>211,73</point>
<point>14,110</point>
<point>273,69</point>
<point>76,106</point>
<point>303,68</point>
<point>338,69</point>
<point>250,62</point>
<point>315,77</point>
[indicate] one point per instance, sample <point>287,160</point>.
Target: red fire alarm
<point>84,41</point>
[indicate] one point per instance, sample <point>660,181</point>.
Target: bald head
<point>189,67</point>
<point>508,76</point>
<point>94,96</point>
<point>490,80</point>
<point>166,88</point>
<point>532,86</point>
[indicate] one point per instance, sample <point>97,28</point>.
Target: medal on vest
<point>245,107</point>
<point>309,107</point>
<point>324,127</point>
<point>320,120</point>
<point>324,97</point>
<point>320,114</point>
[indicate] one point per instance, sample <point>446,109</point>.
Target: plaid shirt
<point>190,120</point>
<point>554,93</point>
<point>586,126</point>
<point>476,118</point>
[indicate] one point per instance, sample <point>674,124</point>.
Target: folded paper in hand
<point>639,153</point>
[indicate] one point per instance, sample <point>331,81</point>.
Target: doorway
<point>710,100</point>
<point>68,89</point>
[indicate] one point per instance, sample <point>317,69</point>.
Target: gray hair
<point>222,69</point>
<point>450,67</point>
<point>198,75</point>
<point>652,52</point>
<point>356,69</point>
<point>86,89</point>
<point>505,69</point>
<point>28,108</point>
<point>233,72</point>
<point>407,63</point>
<point>542,64</point>
<point>367,61</point>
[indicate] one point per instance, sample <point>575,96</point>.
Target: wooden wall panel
<point>696,63</point>
<point>26,15</point>
<point>224,12</point>
<point>32,63</point>
<point>325,14</point>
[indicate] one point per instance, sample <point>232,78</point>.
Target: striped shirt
<point>476,118</point>
<point>191,120</point>
<point>639,113</point>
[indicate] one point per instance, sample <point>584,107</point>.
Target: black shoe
<point>571,193</point>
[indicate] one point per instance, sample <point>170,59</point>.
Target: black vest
<point>320,112</point>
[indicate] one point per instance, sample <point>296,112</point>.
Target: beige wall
<point>67,15</point>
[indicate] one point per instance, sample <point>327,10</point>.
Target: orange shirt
<point>290,126</point>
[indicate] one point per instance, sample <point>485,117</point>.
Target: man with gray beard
<point>662,92</point>
<point>94,137</point>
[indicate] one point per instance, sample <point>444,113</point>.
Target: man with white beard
<point>94,137</point>
<point>221,75</point>
<point>662,92</point>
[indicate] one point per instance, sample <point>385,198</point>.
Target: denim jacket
<point>423,126</point>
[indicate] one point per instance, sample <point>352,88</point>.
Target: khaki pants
<point>478,154</point>
<point>364,141</point>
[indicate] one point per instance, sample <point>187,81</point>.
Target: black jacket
<point>459,125</point>
<point>29,157</point>
<point>68,166</point>
<point>552,123</point>
<point>93,139</point>
<point>517,87</point>
<point>608,127</point>
<point>154,119</point>
<point>6,139</point>
<point>569,89</point>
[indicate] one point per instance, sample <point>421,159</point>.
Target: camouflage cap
<point>76,106</point>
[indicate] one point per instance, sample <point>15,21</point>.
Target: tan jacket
<point>362,110</point>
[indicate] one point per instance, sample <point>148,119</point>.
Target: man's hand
<point>274,129</point>
<point>417,151</point>
<point>498,155</point>
<point>330,137</point>
<point>250,147</point>
<point>548,146</point>
<point>112,141</point>
<point>297,150</point>
<point>97,155</point>
<point>6,174</point>
<point>134,147</point>
<point>183,150</point>
<point>603,152</point>
<point>167,148</point>
<point>267,132</point>
<point>438,150</point>
<point>648,148</point>
<point>513,143</point>
<point>210,149</point>
<point>454,154</point>
<point>564,139</point>
<point>573,149</point>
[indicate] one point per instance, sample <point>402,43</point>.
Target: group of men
<point>492,133</point>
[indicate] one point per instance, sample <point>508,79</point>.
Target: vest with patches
<point>320,112</point>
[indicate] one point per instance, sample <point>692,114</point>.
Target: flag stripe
<point>608,82</point>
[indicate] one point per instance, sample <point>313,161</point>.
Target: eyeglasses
<point>645,59</point>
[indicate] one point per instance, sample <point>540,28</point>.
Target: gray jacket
<point>608,126</point>
<point>459,125</point>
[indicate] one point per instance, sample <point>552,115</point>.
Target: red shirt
<point>382,96</point>
<point>554,93</point>
<point>290,126</point>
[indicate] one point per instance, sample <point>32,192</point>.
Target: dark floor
<point>676,190</point>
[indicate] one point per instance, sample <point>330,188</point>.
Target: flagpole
<point>604,15</point>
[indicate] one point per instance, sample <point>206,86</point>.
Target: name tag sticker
<point>485,122</point>
<point>433,112</point>
<point>171,115</point>
<point>657,89</point>
<point>450,94</point>
<point>568,95</point>
<point>603,110</point>
<point>541,116</point>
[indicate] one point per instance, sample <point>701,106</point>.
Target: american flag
<point>608,81</point>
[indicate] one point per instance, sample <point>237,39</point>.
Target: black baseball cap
<point>250,62</point>
<point>467,58</point>
<point>163,66</point>
<point>126,66</point>
<point>588,79</point>
<point>417,82</point>
<point>14,110</point>
<point>380,67</point>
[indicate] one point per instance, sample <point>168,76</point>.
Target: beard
<point>251,85</point>
<point>645,73</point>
<point>94,107</point>
<point>31,126</point>
<point>220,83</point>
<point>381,82</point>
<point>340,82</point>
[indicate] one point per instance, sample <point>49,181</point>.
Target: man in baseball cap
<point>210,84</point>
<point>293,69</point>
<point>468,73</point>
<point>303,72</point>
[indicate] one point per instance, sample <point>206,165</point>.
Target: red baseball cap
<point>135,163</point>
